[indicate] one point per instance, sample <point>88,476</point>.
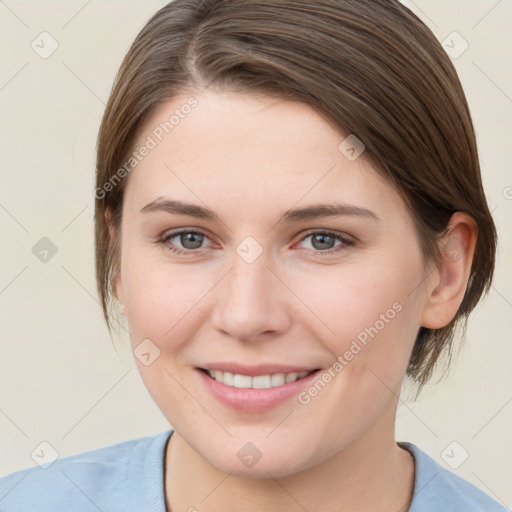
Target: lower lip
<point>255,400</point>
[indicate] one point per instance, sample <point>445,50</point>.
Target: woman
<point>290,211</point>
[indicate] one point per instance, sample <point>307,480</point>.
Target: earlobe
<point>447,284</point>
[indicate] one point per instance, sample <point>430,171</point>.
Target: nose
<point>251,302</point>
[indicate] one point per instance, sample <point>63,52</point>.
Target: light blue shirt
<point>129,477</point>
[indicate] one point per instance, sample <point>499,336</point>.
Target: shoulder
<point>436,488</point>
<point>110,478</point>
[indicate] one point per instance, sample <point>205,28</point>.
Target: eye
<point>188,241</point>
<point>183,241</point>
<point>325,241</point>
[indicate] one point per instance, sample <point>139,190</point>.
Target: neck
<point>372,472</point>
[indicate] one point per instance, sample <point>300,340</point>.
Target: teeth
<point>258,382</point>
<point>261,382</point>
<point>242,381</point>
<point>290,377</point>
<point>227,378</point>
<point>278,379</point>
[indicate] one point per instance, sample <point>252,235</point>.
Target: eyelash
<point>346,242</point>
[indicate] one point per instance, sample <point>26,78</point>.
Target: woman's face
<point>264,281</point>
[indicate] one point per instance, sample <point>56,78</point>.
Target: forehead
<point>250,148</point>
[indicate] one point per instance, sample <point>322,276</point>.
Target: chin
<point>262,469</point>
<point>271,461</point>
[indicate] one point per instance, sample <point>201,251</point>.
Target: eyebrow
<point>293,215</point>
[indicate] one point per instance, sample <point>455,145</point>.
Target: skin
<point>250,159</point>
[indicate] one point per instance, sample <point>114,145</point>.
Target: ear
<point>117,284</point>
<point>447,284</point>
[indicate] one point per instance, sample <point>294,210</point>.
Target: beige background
<point>62,379</point>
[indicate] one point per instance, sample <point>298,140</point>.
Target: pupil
<point>191,240</point>
<point>326,240</point>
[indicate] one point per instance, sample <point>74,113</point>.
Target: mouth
<point>256,388</point>
<point>264,381</point>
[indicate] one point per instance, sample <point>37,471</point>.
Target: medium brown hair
<point>370,66</point>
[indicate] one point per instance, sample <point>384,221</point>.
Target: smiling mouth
<point>268,381</point>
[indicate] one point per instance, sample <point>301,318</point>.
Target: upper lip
<point>253,370</point>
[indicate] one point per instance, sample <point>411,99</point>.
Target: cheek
<point>162,301</point>
<point>373,317</point>
<point>354,296</point>
<point>365,313</point>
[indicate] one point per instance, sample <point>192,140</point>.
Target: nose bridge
<point>250,301</point>
<point>249,278</point>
